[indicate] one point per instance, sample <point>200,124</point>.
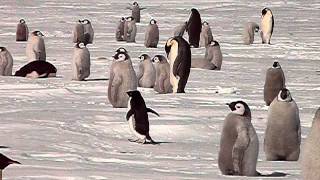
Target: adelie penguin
<point>138,119</point>
<point>80,62</point>
<point>283,133</point>
<point>4,162</point>
<point>239,144</point>
<point>22,32</point>
<point>162,84</point>
<point>6,62</point>
<point>120,30</point>
<point>194,28</point>
<point>248,33</point>
<point>275,81</point>
<point>267,25</point>
<point>37,69</point>
<point>36,49</point>
<point>152,35</point>
<point>206,35</point>
<point>147,73</point>
<point>135,11</point>
<point>130,29</point>
<point>179,56</point>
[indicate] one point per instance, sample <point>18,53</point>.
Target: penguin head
<point>168,45</point>
<point>122,19</point>
<point>121,49</point>
<point>276,64</point>
<point>130,18</point>
<point>152,21</point>
<point>240,107</point>
<point>2,49</point>
<point>205,23</point>
<point>80,45</point>
<point>144,57</point>
<point>134,93</point>
<point>284,95</point>
<point>22,21</point>
<point>265,11</point>
<point>121,56</point>
<point>37,33</point>
<point>256,28</point>
<point>159,59</point>
<point>214,43</point>
<point>5,161</point>
<point>135,4</point>
<point>86,21</point>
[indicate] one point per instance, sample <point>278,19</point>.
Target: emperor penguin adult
<point>88,31</point>
<point>180,29</point>
<point>194,28</point>
<point>239,144</point>
<point>179,56</point>
<point>22,32</point>
<point>36,49</point>
<point>147,73</point>
<point>4,162</point>
<point>162,84</point>
<point>152,35</point>
<point>137,117</point>
<point>135,11</point>
<point>6,62</point>
<point>275,81</point>
<point>78,33</point>
<point>120,30</point>
<point>206,35</point>
<point>37,69</point>
<point>80,62</point>
<point>310,153</point>
<point>248,33</point>
<point>130,29</point>
<point>122,79</point>
<point>267,25</point>
<point>283,133</point>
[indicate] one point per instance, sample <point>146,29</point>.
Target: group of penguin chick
<point>239,144</point>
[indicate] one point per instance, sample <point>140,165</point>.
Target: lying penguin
<point>37,69</point>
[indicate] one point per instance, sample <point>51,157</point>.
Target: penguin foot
<point>140,141</point>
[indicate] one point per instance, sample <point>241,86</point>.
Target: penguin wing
<point>142,8</point>
<point>241,144</point>
<point>129,114</point>
<point>152,111</point>
<point>140,72</point>
<point>272,25</point>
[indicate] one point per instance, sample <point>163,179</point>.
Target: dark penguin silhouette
<point>22,32</point>
<point>4,162</point>
<point>37,69</point>
<point>194,28</point>
<point>137,117</point>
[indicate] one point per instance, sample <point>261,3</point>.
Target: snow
<point>61,129</point>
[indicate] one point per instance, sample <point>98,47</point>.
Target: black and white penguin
<point>179,56</point>
<point>194,28</point>
<point>37,69</point>
<point>137,117</point>
<point>22,31</point>
<point>267,25</point>
<point>4,162</point>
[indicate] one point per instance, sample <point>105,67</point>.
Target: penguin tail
<point>150,139</point>
<point>14,162</point>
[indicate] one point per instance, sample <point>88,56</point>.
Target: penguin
<point>267,25</point>
<point>179,55</point>
<point>88,31</point>
<point>239,144</point>
<point>205,35</point>
<point>275,81</point>
<point>214,54</point>
<point>130,30</point>
<point>122,79</point>
<point>4,162</point>
<point>179,30</point>
<point>120,30</point>
<point>147,73</point>
<point>194,28</point>
<point>6,62</point>
<point>80,62</point>
<point>78,33</point>
<point>135,11</point>
<point>152,35</point>
<point>137,117</point>
<point>22,32</point>
<point>37,69</point>
<point>162,84</point>
<point>122,49</point>
<point>36,49</point>
<point>283,133</point>
<point>310,154</point>
<point>248,33</point>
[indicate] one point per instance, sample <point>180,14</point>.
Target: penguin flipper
<point>129,114</point>
<point>152,111</point>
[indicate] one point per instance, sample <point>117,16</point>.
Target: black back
<point>5,161</point>
<point>194,28</point>
<point>41,67</point>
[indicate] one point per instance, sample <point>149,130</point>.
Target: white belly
<point>133,131</point>
<point>174,81</point>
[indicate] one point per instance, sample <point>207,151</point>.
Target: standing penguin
<point>135,11</point>
<point>80,62</point>
<point>214,54</point>
<point>283,133</point>
<point>162,84</point>
<point>205,35</point>
<point>4,162</point>
<point>275,81</point>
<point>179,30</point>
<point>137,117</point>
<point>179,55</point>
<point>239,144</point>
<point>152,35</point>
<point>147,73</point>
<point>310,153</point>
<point>120,30</point>
<point>122,79</point>
<point>6,62</point>
<point>88,31</point>
<point>36,49</point>
<point>78,33</point>
<point>130,30</point>
<point>22,31</point>
<point>194,28</point>
<point>248,33</point>
<point>267,24</point>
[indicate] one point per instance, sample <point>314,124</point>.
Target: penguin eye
<point>122,57</point>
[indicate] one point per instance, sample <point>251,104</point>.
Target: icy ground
<point>63,129</point>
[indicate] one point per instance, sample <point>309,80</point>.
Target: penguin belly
<point>132,125</point>
<point>173,79</point>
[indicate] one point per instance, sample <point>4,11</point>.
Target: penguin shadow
<point>151,143</point>
<point>274,174</point>
<point>97,79</point>
<point>4,147</point>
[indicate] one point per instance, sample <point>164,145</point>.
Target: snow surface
<point>61,129</point>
